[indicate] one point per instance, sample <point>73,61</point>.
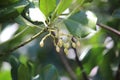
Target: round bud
<point>41,43</point>
<point>57,49</point>
<point>60,43</point>
<point>66,50</point>
<point>66,45</point>
<point>78,43</point>
<point>73,45</point>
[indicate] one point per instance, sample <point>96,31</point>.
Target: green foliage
<point>15,64</point>
<point>62,6</point>
<point>49,72</point>
<point>47,6</point>
<point>24,69</point>
<point>94,46</point>
<point>12,11</point>
<point>80,24</point>
<point>4,3</point>
<point>3,75</point>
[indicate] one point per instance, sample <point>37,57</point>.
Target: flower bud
<point>57,49</point>
<point>73,45</point>
<point>66,50</point>
<point>60,43</point>
<point>78,43</point>
<point>66,45</point>
<point>41,43</point>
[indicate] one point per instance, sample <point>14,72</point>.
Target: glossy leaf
<point>4,3</point>
<point>15,64</point>
<point>83,1</point>
<point>5,75</point>
<point>62,6</point>
<point>23,72</point>
<point>105,70</point>
<point>12,11</point>
<point>50,73</point>
<point>79,2</point>
<point>93,58</point>
<point>81,24</point>
<point>47,6</point>
<point>22,21</point>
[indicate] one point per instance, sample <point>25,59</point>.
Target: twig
<point>27,41</point>
<point>67,65</point>
<point>109,28</point>
<point>17,35</point>
<point>24,43</point>
<point>85,77</point>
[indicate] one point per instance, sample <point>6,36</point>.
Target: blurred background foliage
<point>98,52</point>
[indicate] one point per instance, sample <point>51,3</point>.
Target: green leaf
<point>22,21</point>
<point>47,6</point>
<point>12,11</point>
<point>83,1</point>
<point>105,70</point>
<point>93,58</point>
<point>24,73</point>
<point>63,5</point>
<point>81,24</point>
<point>88,1</point>
<point>15,64</point>
<point>79,2</point>
<point>5,75</point>
<point>23,59</point>
<point>4,3</point>
<point>50,73</point>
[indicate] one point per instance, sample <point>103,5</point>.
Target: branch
<point>109,28</point>
<point>66,64</point>
<point>81,66</point>
<point>85,77</point>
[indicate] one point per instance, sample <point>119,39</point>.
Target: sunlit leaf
<point>47,6</point>
<point>93,58</point>
<point>63,5</point>
<point>105,70</point>
<point>81,24</point>
<point>5,75</point>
